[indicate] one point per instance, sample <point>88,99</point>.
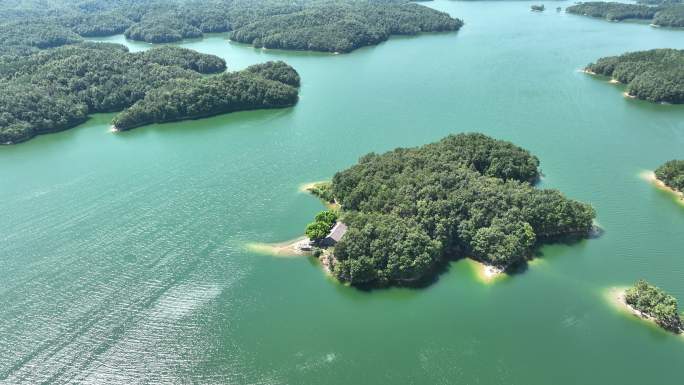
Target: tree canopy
<point>194,98</point>
<point>672,174</point>
<point>665,13</point>
<point>654,302</point>
<point>467,195</point>
<point>55,89</point>
<point>322,25</point>
<point>342,26</point>
<point>670,16</point>
<point>320,227</point>
<point>656,75</point>
<point>613,11</point>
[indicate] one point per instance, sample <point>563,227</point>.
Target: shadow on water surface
<point>445,265</point>
<point>644,105</point>
<point>252,118</point>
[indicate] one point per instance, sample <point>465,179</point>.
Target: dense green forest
<point>321,226</point>
<point>58,88</point>
<point>659,2</point>
<point>665,13</point>
<point>322,25</point>
<point>670,17</point>
<point>613,11</point>
<point>654,302</point>
<point>468,195</point>
<point>656,75</point>
<point>269,85</point>
<point>343,26</point>
<point>672,174</point>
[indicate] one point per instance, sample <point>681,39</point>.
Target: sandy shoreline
<point>650,177</point>
<point>306,187</point>
<point>289,248</point>
<point>113,128</point>
<point>279,249</point>
<point>611,81</point>
<point>616,296</point>
<point>485,273</point>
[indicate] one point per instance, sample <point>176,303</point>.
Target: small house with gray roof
<point>336,233</point>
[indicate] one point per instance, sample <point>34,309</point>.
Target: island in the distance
<point>655,75</point>
<point>399,217</point>
<point>660,13</point>
<point>651,303</point>
<point>56,89</point>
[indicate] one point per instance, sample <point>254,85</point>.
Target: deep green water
<point>123,256</point>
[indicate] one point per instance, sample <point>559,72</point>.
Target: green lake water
<point>123,256</point>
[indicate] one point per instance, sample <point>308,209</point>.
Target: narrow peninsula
<point>403,214</point>
<point>56,89</point>
<point>261,86</point>
<point>651,303</point>
<point>655,75</point>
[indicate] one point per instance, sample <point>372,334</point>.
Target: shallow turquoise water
<point>124,259</point>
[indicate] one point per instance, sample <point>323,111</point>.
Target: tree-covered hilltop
<point>184,58</point>
<point>257,87</point>
<point>613,11</point>
<point>672,174</point>
<point>670,17</point>
<point>654,302</point>
<point>276,70</point>
<point>468,195</point>
<point>26,37</point>
<point>659,2</point>
<point>664,13</point>
<point>343,26</point>
<point>656,75</point>
<point>321,25</point>
<point>58,88</point>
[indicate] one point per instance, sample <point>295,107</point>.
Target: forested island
<point>652,303</point>
<point>660,13</point>
<point>410,210</point>
<point>343,26</point>
<point>671,174</point>
<point>656,75</point>
<point>613,11</point>
<point>56,89</point>
<point>319,25</point>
